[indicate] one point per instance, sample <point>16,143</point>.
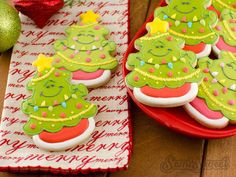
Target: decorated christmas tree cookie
<point>215,105</point>
<point>86,52</point>
<point>226,28</point>
<point>162,74</point>
<point>191,21</point>
<point>219,5</point>
<point>59,117</point>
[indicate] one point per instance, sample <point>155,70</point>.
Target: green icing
<point>190,20</point>
<point>226,27</point>
<point>86,48</point>
<point>160,63</point>
<point>56,103</point>
<point>222,4</point>
<point>219,85</point>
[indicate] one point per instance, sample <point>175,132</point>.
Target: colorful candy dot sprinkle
<point>32,126</point>
<point>96,38</point>
<point>169,74</point>
<point>184,30</point>
<point>215,93</point>
<point>231,102</point>
<point>57,74</point>
<point>44,114</point>
<point>205,79</point>
<point>96,27</point>
<point>185,69</point>
<point>62,115</point>
<point>206,70</point>
<point>102,56</point>
<point>219,28</point>
<point>57,60</point>
<point>233,29</point>
<point>88,60</point>
<point>72,56</point>
<point>201,30</point>
<point>79,105</point>
<point>151,70</point>
<point>169,38</point>
<point>224,90</point>
<point>136,78</point>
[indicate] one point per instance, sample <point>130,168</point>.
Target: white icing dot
<point>53,125</point>
<point>72,112</point>
<point>40,123</point>
<point>53,115</point>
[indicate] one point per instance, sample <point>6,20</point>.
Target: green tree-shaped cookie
<point>54,103</point>
<point>190,20</point>
<point>219,84</point>
<point>226,27</point>
<point>161,62</point>
<point>224,4</point>
<point>86,47</point>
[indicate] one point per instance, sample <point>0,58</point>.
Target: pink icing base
<point>223,46</point>
<point>81,75</point>
<point>166,92</point>
<point>200,105</point>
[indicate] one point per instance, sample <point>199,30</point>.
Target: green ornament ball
<point>10,26</point>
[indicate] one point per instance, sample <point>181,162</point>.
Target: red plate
<point>175,118</point>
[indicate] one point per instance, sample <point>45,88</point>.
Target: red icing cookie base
<point>166,92</point>
<point>195,48</point>
<point>200,105</point>
<point>66,133</point>
<point>82,75</point>
<point>223,46</point>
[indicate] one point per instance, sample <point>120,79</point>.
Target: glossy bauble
<point>10,26</point>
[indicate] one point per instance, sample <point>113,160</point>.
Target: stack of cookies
<point>172,66</point>
<point>59,115</point>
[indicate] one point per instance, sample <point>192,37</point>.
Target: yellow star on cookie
<point>43,62</point>
<point>89,17</point>
<point>157,25</point>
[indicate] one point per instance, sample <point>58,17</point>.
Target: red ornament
<point>39,10</point>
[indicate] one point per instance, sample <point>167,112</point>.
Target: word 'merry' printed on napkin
<point>109,146</point>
